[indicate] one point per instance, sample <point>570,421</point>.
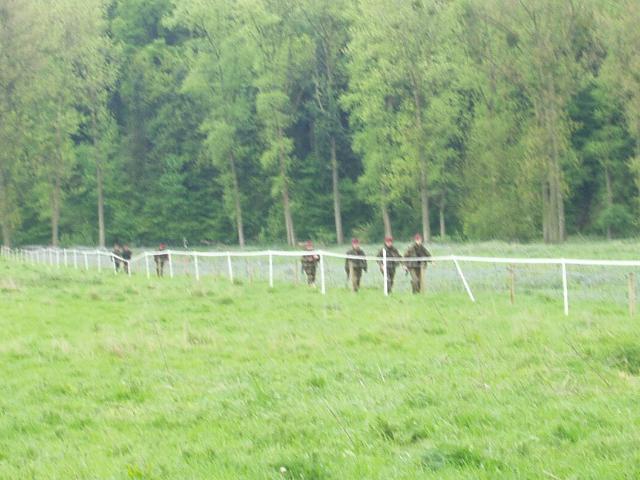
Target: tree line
<point>276,120</point>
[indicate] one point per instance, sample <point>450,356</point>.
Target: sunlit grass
<point>105,376</point>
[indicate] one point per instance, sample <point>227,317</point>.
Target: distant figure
<point>126,255</point>
<point>416,267</point>
<point>160,259</point>
<point>354,267</point>
<point>392,252</point>
<point>309,263</point>
<point>117,254</point>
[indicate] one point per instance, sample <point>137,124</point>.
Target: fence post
<point>512,284</point>
<point>64,253</point>
<point>146,263</point>
<point>632,293</point>
<point>50,256</point>
<point>57,258</point>
<point>384,271</point>
<point>322,284</point>
<point>195,264</point>
<point>170,264</point>
<point>113,258</point>
<point>86,261</point>
<point>128,267</point>
<point>270,269</point>
<point>230,267</point>
<point>565,289</point>
<point>464,280</point>
<point>75,259</point>
<point>99,261</point>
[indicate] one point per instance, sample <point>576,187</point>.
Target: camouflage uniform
<point>117,251</point>
<point>357,266</point>
<point>309,264</point>
<point>392,252</point>
<point>160,260</point>
<point>126,254</point>
<point>415,266</point>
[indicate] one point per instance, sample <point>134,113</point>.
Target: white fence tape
<point>52,256</point>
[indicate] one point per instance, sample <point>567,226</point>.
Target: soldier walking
<point>416,267</point>
<point>310,263</point>
<point>355,267</point>
<point>392,252</point>
<point>160,259</point>
<point>117,254</point>
<point>126,255</point>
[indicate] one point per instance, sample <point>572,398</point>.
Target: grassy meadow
<point>109,377</point>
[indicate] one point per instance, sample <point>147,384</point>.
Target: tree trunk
<point>443,231</point>
<point>56,192</point>
<point>288,219</point>
<point>99,182</point>
<point>609,196</point>
<point>336,193</point>
<point>557,197</point>
<point>422,161</point>
<point>55,211</point>
<point>4,212</point>
<point>386,220</point>
<point>236,198</point>
<point>424,205</point>
<point>545,212</point>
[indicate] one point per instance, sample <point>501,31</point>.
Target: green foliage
<point>232,121</point>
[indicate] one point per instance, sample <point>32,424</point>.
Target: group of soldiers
<point>414,262</point>
<point>122,256</point>
<point>354,267</point>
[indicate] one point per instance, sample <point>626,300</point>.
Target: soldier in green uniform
<point>309,263</point>
<point>126,254</point>
<point>392,252</point>
<point>117,255</point>
<point>416,267</point>
<point>354,267</point>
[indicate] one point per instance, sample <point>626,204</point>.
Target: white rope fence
<point>101,259</point>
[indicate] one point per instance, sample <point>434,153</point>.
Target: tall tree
<point>97,67</point>
<point>221,78</point>
<point>329,26</point>
<point>283,56</point>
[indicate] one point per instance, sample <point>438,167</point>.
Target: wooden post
<point>323,289</point>
<point>512,284</point>
<point>632,293</point>
<point>195,263</point>
<point>146,264</point>
<point>423,267</point>
<point>565,288</point>
<point>270,269</point>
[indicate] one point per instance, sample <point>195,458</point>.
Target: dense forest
<point>255,121</point>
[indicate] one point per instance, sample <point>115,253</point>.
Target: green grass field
<point>106,377</point>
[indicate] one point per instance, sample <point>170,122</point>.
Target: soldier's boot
<point>355,280</point>
<point>415,280</point>
<point>390,276</point>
